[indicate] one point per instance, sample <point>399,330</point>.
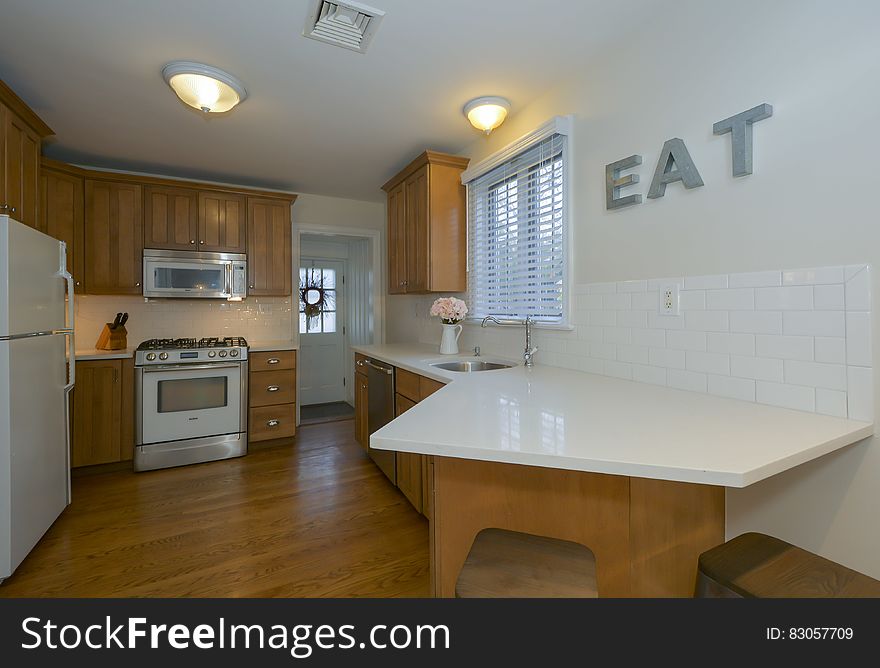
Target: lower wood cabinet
<point>272,395</point>
<point>361,403</point>
<point>102,430</point>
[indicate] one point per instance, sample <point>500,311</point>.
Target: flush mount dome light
<point>204,87</point>
<point>486,113</point>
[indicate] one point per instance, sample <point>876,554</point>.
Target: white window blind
<point>517,233</point>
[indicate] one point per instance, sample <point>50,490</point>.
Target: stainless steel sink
<point>468,366</point>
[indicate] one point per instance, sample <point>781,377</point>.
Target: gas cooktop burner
<point>180,344</point>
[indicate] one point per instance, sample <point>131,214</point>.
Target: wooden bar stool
<point>510,564</point>
<point>755,565</point>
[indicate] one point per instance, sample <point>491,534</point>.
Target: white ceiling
<point>319,119</point>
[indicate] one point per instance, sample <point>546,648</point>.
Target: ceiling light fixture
<point>203,87</point>
<point>487,113</point>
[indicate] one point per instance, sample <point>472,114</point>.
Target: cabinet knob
<point>77,282</point>
<point>273,423</point>
<point>137,285</point>
<point>251,287</point>
<point>201,242</point>
<point>3,207</point>
<point>192,241</point>
<point>272,388</point>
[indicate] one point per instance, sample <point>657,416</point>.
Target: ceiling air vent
<point>350,25</point>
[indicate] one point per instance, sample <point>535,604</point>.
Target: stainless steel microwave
<point>192,275</point>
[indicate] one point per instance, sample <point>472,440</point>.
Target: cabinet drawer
<point>268,422</point>
<point>272,361</point>
<point>407,384</point>
<point>272,387</point>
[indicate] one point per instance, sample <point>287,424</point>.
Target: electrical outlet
<point>669,299</point>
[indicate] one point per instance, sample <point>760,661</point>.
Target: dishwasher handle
<point>384,369</point>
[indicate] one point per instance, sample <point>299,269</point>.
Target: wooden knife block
<point>112,339</point>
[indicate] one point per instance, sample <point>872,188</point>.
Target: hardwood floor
<point>315,519</point>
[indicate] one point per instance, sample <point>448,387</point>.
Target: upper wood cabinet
<point>427,228</point>
<point>61,216</point>
<point>21,131</point>
<point>268,247</point>
<point>222,222</point>
<point>171,218</point>
<point>114,237</point>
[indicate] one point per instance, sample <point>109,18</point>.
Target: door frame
<point>377,241</point>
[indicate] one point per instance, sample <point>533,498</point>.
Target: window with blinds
<point>517,232</point>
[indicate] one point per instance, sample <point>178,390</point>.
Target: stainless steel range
<point>191,401</point>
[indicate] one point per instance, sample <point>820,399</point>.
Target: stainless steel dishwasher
<point>381,412</point>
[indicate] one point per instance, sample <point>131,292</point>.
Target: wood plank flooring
<point>315,519</point>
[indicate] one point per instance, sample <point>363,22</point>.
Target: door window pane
<point>324,321</point>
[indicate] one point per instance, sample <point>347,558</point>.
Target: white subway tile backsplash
<point>632,286</point>
<point>686,340</point>
<point>756,322</point>
<point>860,393</point>
<point>739,299</point>
<point>629,353</point>
<point>649,374</point>
<point>813,323</point>
<point>646,301</point>
<point>815,374</point>
<point>692,300</point>
<point>831,402</point>
<point>784,347</point>
<point>786,396</point>
<point>618,335</point>
<point>736,344</point>
<point>707,362</point>
<point>589,302</point>
<point>618,370</point>
<point>654,338</point>
<point>756,367</point>
<point>755,279</point>
<point>707,321</point>
<point>591,333</point>
<point>667,358</point>
<point>734,388</point>
<point>795,298</point>
<point>830,350</point>
<point>617,302</point>
<point>603,318</point>
<point>603,351</point>
<point>858,338</point>
<point>828,298</point>
<point>858,291</point>
<point>603,288</point>
<point>632,319</point>
<point>657,321</point>
<point>817,276</point>
<point>686,380</point>
<point>705,282</point>
<point>656,283</point>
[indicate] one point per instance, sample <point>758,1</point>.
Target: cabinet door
<point>97,413</point>
<point>20,173</point>
<point>61,216</point>
<point>397,239</point>
<point>268,247</point>
<point>114,237</point>
<point>171,218</point>
<point>222,223</point>
<point>361,410</point>
<point>409,465</point>
<point>417,231</point>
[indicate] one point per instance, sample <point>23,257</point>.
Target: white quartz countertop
<point>95,354</point>
<point>559,418</point>
<point>268,346</point>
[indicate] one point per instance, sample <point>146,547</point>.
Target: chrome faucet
<point>529,351</point>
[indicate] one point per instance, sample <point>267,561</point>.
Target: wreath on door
<point>313,296</point>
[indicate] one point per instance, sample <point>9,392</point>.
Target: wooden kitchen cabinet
<point>272,395</point>
<point>61,216</point>
<point>409,465</point>
<point>427,229</point>
<point>171,218</point>
<point>361,403</point>
<point>222,222</point>
<point>114,237</point>
<point>269,247</point>
<point>21,132</point>
<point>103,412</point>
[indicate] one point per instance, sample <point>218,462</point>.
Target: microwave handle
<point>229,279</point>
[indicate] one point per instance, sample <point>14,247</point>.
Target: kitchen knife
<point>124,320</point>
<point>116,321</point>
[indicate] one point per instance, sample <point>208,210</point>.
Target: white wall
<point>808,203</point>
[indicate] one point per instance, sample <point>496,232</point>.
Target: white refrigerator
<point>36,343</point>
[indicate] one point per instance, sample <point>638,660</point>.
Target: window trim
<point>561,125</point>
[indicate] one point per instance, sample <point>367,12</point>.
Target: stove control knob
<point>211,353</point>
<point>163,356</point>
<point>151,357</point>
<point>233,353</point>
<point>222,353</point>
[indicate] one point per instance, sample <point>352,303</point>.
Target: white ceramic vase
<point>449,340</point>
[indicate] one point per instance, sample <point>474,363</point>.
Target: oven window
<point>190,279</point>
<point>192,394</point>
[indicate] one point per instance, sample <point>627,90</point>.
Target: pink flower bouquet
<point>449,309</point>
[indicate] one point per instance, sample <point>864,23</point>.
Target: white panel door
<point>321,359</point>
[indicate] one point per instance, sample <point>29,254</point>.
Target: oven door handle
<point>188,367</point>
